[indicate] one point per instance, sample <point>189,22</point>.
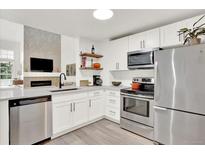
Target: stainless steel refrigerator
<point>179,110</point>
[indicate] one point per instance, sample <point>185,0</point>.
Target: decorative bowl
<point>116,83</point>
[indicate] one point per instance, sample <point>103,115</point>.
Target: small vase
<point>195,41</point>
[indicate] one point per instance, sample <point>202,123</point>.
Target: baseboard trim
<point>76,127</point>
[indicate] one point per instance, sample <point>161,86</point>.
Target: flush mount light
<point>103,14</point>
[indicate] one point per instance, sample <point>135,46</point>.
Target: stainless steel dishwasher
<point>30,120</point>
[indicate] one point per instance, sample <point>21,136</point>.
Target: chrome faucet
<point>60,79</point>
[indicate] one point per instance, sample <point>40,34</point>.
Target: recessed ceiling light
<point>103,14</point>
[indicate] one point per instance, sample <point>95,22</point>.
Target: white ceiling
<point>80,23</point>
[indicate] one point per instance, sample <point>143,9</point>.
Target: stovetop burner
<point>137,92</point>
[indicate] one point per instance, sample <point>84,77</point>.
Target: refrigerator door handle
<point>160,108</point>
<point>156,81</point>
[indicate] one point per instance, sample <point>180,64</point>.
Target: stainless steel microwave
<point>140,59</point>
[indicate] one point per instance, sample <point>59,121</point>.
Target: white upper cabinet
<point>118,53</point>
<point>135,42</point>
<point>169,34</point>
<point>144,40</point>
<point>152,39</point>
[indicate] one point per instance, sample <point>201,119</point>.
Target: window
<point>6,64</point>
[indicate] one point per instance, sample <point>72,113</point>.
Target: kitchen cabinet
<point>112,108</point>
<point>72,111</point>
<point>96,108</point>
<point>80,112</point>
<point>112,114</point>
<point>4,122</point>
<point>62,116</point>
<point>135,41</point>
<point>169,34</point>
<point>152,39</point>
<point>69,111</point>
<point>118,53</point>
<point>144,40</point>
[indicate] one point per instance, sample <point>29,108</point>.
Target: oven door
<point>140,59</point>
<point>137,109</point>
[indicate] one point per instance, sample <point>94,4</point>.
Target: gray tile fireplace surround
<point>41,44</point>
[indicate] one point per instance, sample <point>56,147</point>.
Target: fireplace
<point>41,83</point>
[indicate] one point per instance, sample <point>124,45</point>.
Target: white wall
<point>69,48</point>
<point>85,45</point>
<point>12,38</point>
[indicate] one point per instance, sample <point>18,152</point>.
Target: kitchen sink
<point>69,89</point>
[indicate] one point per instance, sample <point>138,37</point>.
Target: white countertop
<point>20,92</point>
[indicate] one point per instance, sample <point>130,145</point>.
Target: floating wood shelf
<point>91,55</point>
<point>90,68</point>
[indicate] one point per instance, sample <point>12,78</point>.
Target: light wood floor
<point>103,132</point>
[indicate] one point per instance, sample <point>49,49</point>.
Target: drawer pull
<point>112,93</point>
<point>112,112</point>
<point>112,101</point>
<point>96,93</point>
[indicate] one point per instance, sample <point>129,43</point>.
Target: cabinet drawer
<point>113,93</point>
<point>113,113</point>
<point>113,102</point>
<point>68,97</point>
<point>96,93</point>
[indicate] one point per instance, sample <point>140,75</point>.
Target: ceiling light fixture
<point>103,14</point>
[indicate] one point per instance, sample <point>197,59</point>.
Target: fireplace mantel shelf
<point>41,74</point>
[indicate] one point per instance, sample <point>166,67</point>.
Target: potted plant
<point>191,36</point>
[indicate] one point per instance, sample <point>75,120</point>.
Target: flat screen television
<point>41,65</point>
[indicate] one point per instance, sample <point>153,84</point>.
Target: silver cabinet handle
<point>117,66</point>
<point>71,107</point>
<point>74,107</point>
<point>89,103</point>
<point>160,108</point>
<point>143,43</point>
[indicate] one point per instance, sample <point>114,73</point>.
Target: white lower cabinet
<point>72,111</point>
<point>62,116</point>
<point>96,108</point>
<point>80,112</point>
<point>112,109</point>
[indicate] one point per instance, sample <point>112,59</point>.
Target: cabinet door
<point>118,54</point>
<point>96,108</point>
<point>169,34</point>
<point>80,112</point>
<point>152,39</point>
<point>62,116</point>
<point>135,42</point>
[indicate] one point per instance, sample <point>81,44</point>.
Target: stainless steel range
<point>137,108</point>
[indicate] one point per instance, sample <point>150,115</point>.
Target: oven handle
<point>134,97</point>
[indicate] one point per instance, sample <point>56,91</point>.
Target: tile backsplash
<point>41,44</point>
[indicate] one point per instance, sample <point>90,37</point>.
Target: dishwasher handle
<point>28,101</point>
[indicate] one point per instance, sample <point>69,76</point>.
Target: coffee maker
<point>97,81</point>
